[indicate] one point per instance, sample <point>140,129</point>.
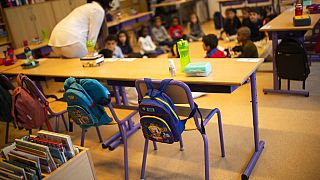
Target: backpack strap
<point>163,85</point>
<point>149,85</point>
<point>192,113</point>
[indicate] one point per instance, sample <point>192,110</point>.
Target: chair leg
<point>70,125</point>
<point>206,156</point>
<point>57,124</point>
<point>155,147</point>
<point>7,133</point>
<point>221,134</point>
<point>99,134</point>
<point>125,149</point>
<point>144,160</point>
<point>64,122</point>
<point>83,135</point>
<point>181,144</point>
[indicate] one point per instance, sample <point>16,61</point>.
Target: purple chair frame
<point>122,136</point>
<point>204,136</point>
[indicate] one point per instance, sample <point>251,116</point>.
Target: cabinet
<point>76,3</point>
<point>61,9</point>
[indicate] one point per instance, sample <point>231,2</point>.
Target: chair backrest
<point>178,91</point>
<point>6,83</point>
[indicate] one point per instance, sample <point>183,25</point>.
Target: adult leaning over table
<point>85,23</point>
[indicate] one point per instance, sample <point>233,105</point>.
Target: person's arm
<point>145,47</point>
<point>152,45</point>
<point>95,21</point>
<point>156,35</point>
<point>119,52</point>
<point>181,31</point>
<point>165,32</point>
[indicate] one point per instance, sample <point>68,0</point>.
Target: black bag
<point>5,99</point>
<point>217,20</point>
<point>292,61</point>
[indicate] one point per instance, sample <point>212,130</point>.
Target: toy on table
<point>29,62</point>
<point>92,58</point>
<point>201,69</point>
<point>183,48</point>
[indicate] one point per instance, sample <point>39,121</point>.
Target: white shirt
<point>81,25</point>
<point>146,44</point>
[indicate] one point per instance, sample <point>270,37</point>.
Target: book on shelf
<point>31,156</point>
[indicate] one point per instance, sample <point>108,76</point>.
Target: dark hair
<point>210,40</point>
<point>106,4</point>
<point>255,10</point>
<point>127,37</point>
<point>174,19</point>
<point>198,21</point>
<point>156,18</point>
<point>231,10</point>
<point>142,29</point>
<point>111,37</point>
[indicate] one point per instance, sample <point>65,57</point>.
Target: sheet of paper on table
<point>248,60</point>
<point>110,59</point>
<point>127,59</point>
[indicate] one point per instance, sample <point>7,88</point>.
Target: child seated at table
<point>245,16</point>
<point>195,30</point>
<point>125,46</point>
<point>210,43</point>
<point>231,23</point>
<point>176,31</point>
<point>255,24</point>
<point>247,49</point>
<point>147,46</point>
<point>111,44</point>
<point>160,33</point>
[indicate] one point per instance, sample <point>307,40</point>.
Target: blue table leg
<point>259,145</point>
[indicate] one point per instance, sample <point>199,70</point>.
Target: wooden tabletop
<point>196,49</point>
<point>284,22</point>
<point>127,18</point>
<point>228,72</point>
<point>170,3</point>
<point>31,46</point>
<point>5,68</point>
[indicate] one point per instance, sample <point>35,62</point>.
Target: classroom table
<point>284,24</point>
<point>178,4</point>
<point>5,68</point>
<point>130,20</point>
<point>226,77</point>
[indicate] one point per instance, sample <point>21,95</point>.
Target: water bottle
<point>183,48</point>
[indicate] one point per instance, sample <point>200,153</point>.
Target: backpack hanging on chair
<point>29,107</point>
<point>159,119</point>
<point>292,61</point>
<point>85,99</point>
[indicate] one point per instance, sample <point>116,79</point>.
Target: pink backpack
<point>29,106</point>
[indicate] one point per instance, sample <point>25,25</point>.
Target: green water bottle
<point>183,48</point>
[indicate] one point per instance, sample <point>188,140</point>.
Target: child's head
<point>157,21</point>
<point>245,13</point>
<point>210,42</point>
<point>231,13</point>
<point>111,42</point>
<point>144,31</point>
<point>243,34</point>
<point>194,18</point>
<point>175,21</point>
<point>254,15</point>
<point>123,37</point>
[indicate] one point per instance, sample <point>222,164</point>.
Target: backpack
<point>217,20</point>
<point>85,99</point>
<point>158,116</point>
<point>29,106</point>
<point>5,99</point>
<point>291,60</point>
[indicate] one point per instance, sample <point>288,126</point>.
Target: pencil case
<point>201,69</point>
<point>303,20</point>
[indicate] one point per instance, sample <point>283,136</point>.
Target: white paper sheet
<point>127,59</point>
<point>248,60</point>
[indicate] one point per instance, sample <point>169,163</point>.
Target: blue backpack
<point>85,99</point>
<point>158,116</point>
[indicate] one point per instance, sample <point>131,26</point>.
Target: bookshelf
<point>5,40</point>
